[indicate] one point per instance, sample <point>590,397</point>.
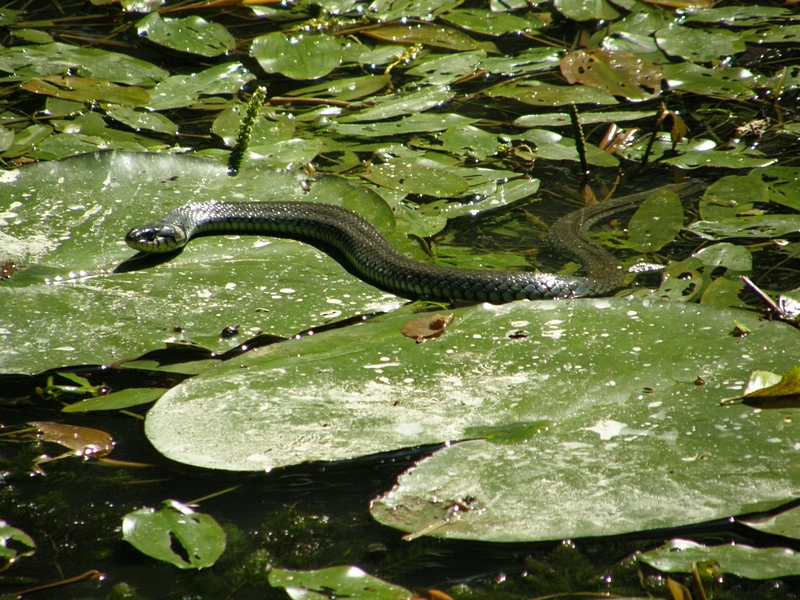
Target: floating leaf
<point>733,195</point>
<point>417,179</point>
<point>531,60</point>
<point>66,226</point>
<point>723,293</point>
<point>617,73</point>
<point>716,158</point>
<point>657,221</point>
<point>786,523</point>
<point>349,88</point>
<point>298,57</point>
<point>116,400</point>
<point>589,118</point>
<point>338,582</point>
<point>183,90</point>
<point>82,89</point>
<point>422,33</point>
<point>678,556</point>
<point>154,532</point>
<point>699,45</point>
<point>763,226</point>
<point>728,83</point>
<point>489,22</point>
<point>56,58</point>
<point>190,34</point>
<point>406,104</point>
<point>83,441</point>
<point>545,94</point>
<point>137,119</point>
<point>443,70</point>
<point>618,408</point>
<point>406,125</point>
<point>730,256</point>
<point>580,10</point>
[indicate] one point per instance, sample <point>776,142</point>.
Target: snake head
<point>156,237</point>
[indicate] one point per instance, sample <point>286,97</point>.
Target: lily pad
<point>616,378</point>
<point>157,532</point>
<point>342,582</point>
<point>298,57</point>
<point>56,58</point>
<point>63,224</point>
<point>191,34</point>
<point>678,556</point>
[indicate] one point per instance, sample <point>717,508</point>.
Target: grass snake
<point>372,257</point>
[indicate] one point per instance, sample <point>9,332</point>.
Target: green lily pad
<point>56,58</point>
<point>491,23</point>
<point>137,119</point>
<point>298,57</point>
<point>405,104</point>
<point>546,94</point>
<point>417,179</point>
<point>117,400</point>
<point>730,256</point>
<point>678,556</point>
<point>153,532</point>
<point>730,83</point>
<point>580,10</point>
<point>82,89</point>
<point>190,34</point>
<point>786,523</point>
<point>763,226</point>
<point>428,35</point>
<point>699,45</point>
<point>342,582</point>
<point>616,378</point>
<point>183,90</point>
<point>63,225</point>
<point>657,221</point>
<point>413,124</point>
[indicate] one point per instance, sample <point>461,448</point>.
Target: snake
<point>374,259</point>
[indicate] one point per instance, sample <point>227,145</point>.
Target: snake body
<point>375,260</point>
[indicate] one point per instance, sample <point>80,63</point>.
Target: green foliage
<point>175,534</point>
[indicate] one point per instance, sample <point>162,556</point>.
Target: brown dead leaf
<point>678,590</point>
<point>426,328</point>
<point>82,441</point>
<point>615,72</point>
